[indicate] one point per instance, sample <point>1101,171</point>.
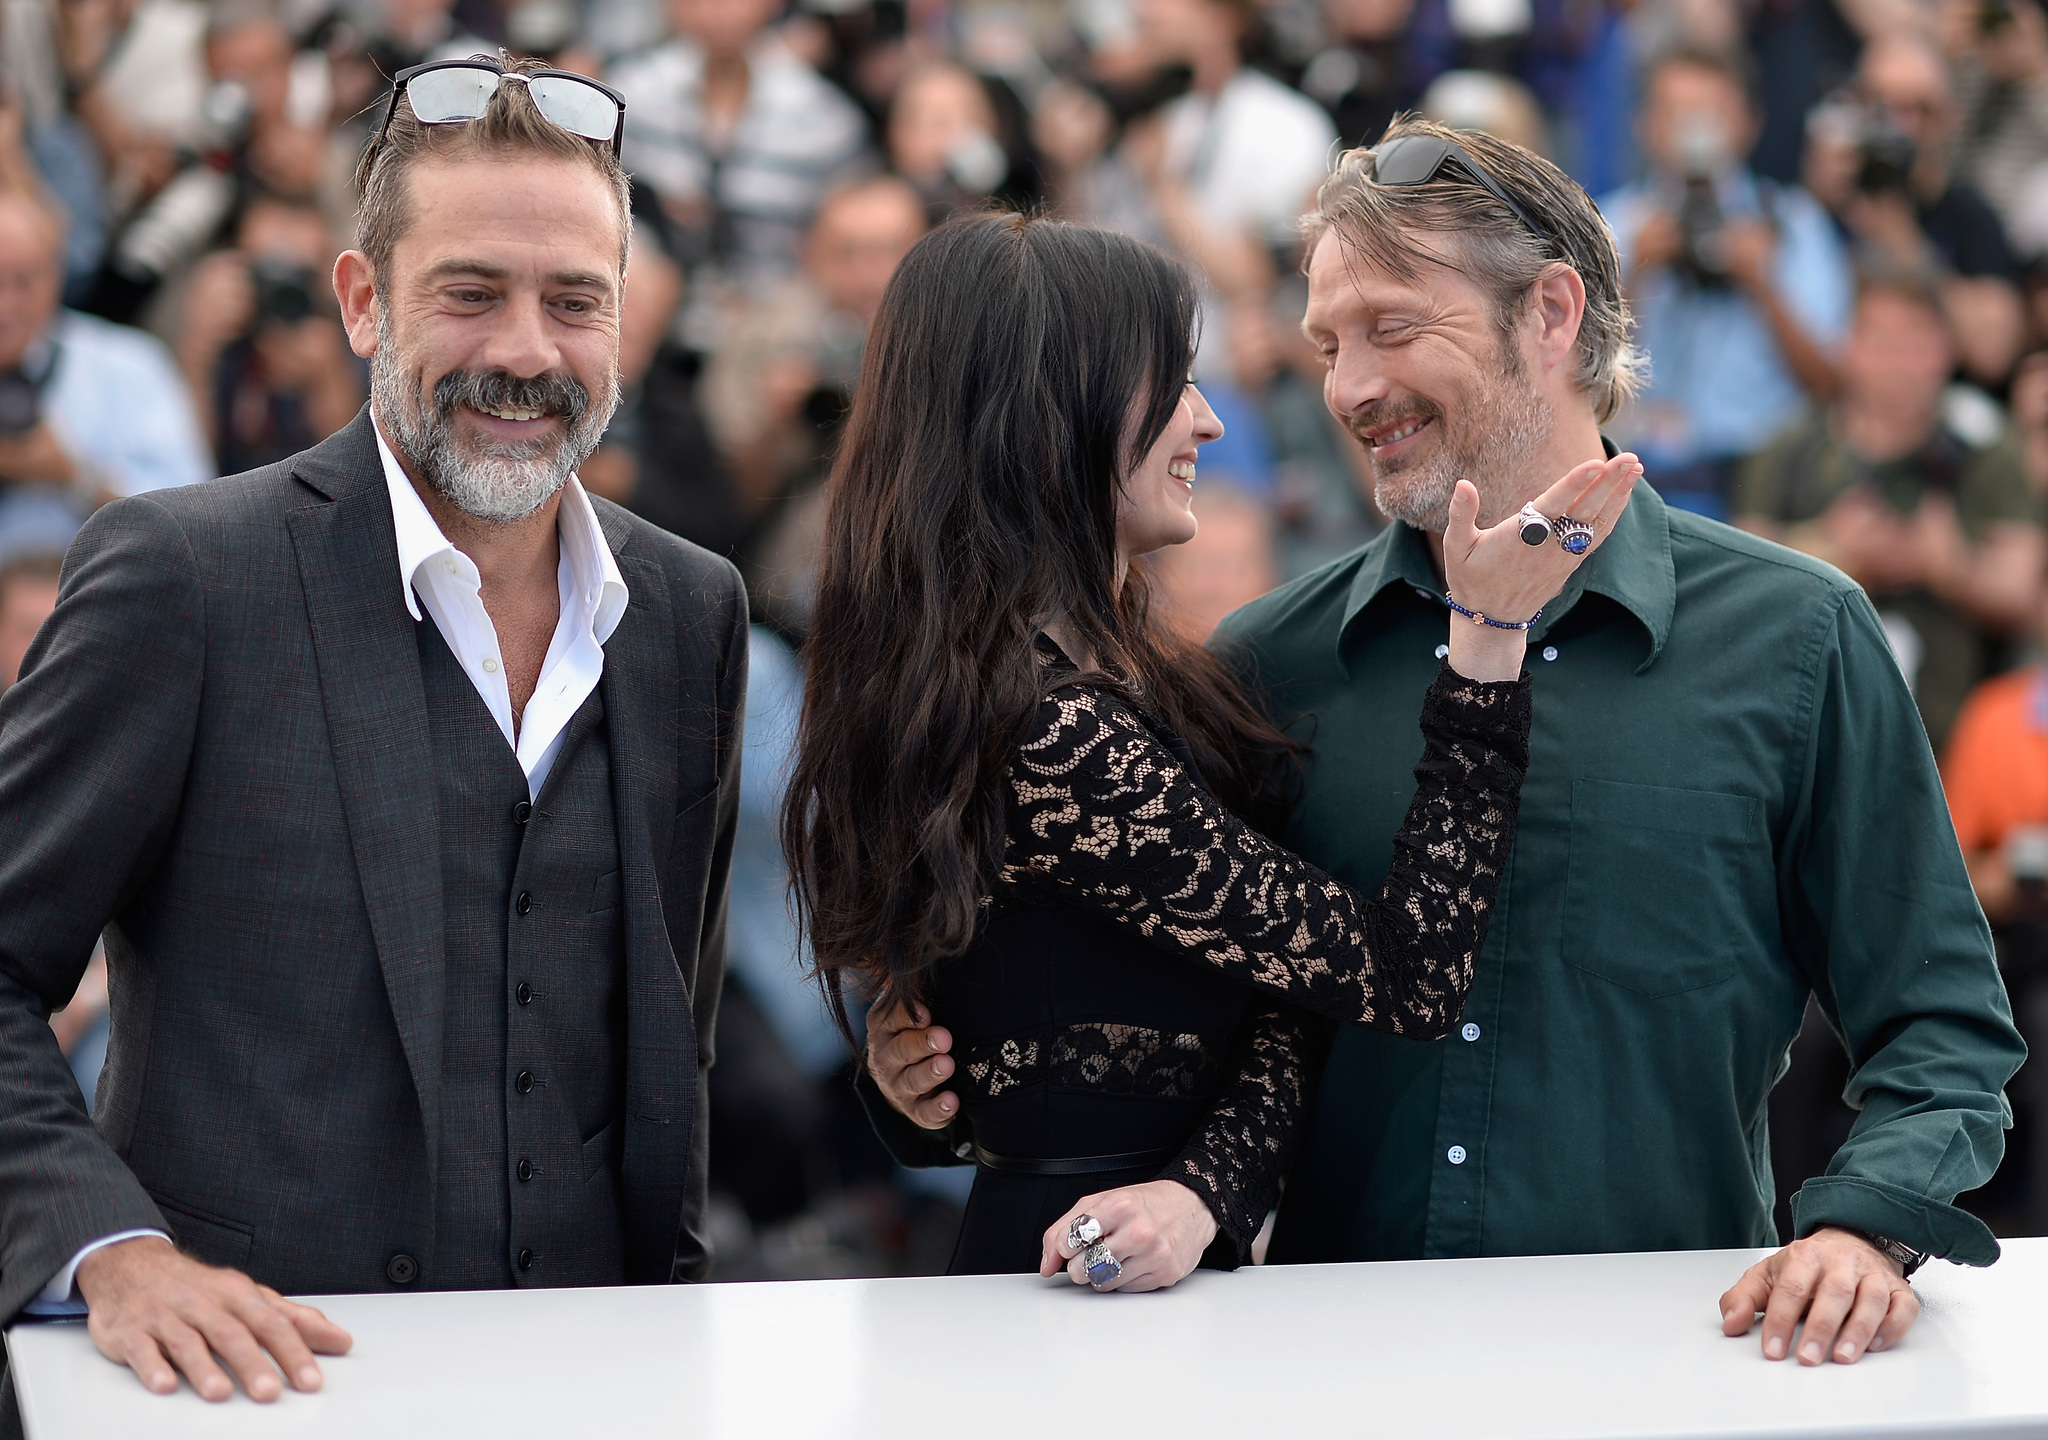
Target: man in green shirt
<point>1730,804</point>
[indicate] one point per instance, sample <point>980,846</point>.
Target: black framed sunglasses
<point>455,92</point>
<point>1417,160</point>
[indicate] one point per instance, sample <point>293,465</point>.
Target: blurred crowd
<point>1833,218</point>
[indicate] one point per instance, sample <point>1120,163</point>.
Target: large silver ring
<point>1575,535</point>
<point>1103,1268</point>
<point>1536,526</point>
<point>1085,1231</point>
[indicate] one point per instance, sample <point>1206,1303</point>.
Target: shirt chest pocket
<point>1658,891</point>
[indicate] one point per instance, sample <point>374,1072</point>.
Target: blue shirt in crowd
<point>1719,388</point>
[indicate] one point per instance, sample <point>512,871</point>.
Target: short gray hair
<point>512,126</point>
<point>1379,223</point>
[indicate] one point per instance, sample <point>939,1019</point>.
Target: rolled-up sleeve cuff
<point>1907,1216</point>
<point>59,1296</point>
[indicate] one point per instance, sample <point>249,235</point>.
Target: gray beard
<point>1507,425</point>
<point>496,482</point>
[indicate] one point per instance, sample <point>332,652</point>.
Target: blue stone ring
<point>1575,535</point>
<point>1103,1267</point>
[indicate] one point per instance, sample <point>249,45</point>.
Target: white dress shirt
<point>433,573</point>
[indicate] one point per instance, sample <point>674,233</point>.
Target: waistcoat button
<point>523,1083</point>
<point>521,811</point>
<point>524,904</point>
<point>524,994</point>
<point>402,1270</point>
<point>526,1259</point>
<point>524,1169</point>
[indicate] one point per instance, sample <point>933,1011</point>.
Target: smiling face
<point>1157,505</point>
<point>494,336</point>
<point>1421,375</point>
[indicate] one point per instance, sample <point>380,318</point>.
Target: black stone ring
<point>1536,526</point>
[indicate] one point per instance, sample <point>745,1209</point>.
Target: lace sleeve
<point>1235,1161</point>
<point>1102,816</point>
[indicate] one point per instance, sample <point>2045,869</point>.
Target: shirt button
<point>524,904</point>
<point>1470,1032</point>
<point>1549,652</point>
<point>524,994</point>
<point>450,566</point>
<point>1442,651</point>
<point>402,1270</point>
<point>524,1169</point>
<point>523,1082</point>
<point>526,1258</point>
<point>1456,1155</point>
<point>490,665</point>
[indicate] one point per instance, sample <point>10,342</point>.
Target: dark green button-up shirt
<point>1730,804</point>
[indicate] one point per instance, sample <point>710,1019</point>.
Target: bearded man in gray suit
<point>401,778</point>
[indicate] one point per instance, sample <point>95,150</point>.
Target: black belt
<point>1071,1164</point>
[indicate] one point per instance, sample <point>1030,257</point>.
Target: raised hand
<point>1493,573</point>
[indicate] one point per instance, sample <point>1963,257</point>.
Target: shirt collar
<point>1633,568</point>
<point>593,572</point>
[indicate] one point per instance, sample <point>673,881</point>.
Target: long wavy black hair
<point>1017,371</point>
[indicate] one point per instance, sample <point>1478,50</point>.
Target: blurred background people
<point>1741,290</point>
<point>1230,562</point>
<point>1882,159</point>
<point>738,139</point>
<point>262,346</point>
<point>1935,521</point>
<point>777,393</point>
<point>28,593</point>
<point>88,410</point>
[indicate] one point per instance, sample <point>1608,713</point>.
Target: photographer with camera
<point>264,128</point>
<point>1741,289</point>
<point>1935,521</point>
<point>88,410</point>
<point>1881,158</point>
<point>1998,59</point>
<point>260,344</point>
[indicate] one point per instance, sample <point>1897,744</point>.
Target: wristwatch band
<point>1907,1257</point>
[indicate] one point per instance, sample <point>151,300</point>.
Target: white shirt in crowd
<point>117,403</point>
<point>434,574</point>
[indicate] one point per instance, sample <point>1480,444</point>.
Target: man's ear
<point>355,286</point>
<point>1559,308</point>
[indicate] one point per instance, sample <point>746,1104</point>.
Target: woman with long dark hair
<point>1020,802</point>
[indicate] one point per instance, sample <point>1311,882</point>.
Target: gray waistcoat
<point>534,1024</point>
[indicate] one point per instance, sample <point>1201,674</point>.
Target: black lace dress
<point>1131,1009</point>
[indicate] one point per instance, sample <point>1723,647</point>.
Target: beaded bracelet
<point>1477,619</point>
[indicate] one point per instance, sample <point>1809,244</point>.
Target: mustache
<point>1387,413</point>
<point>552,393</point>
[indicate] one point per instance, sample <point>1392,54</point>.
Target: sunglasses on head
<point>455,92</point>
<point>1417,160</point>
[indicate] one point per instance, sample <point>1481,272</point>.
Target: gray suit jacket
<point>218,755</point>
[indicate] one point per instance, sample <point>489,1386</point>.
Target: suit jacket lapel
<point>641,705</point>
<point>367,652</point>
